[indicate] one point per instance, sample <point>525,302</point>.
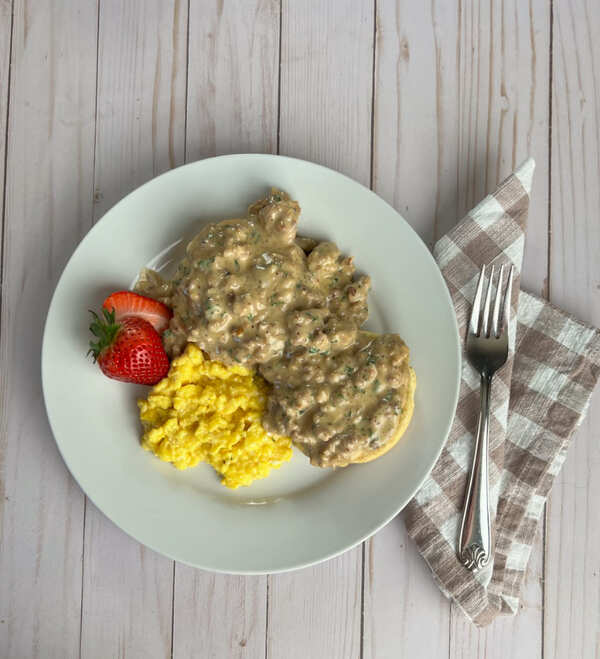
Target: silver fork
<point>487,350</point>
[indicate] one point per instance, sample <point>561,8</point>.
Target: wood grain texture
<point>128,589</point>
<point>503,118</point>
<point>219,615</point>
<point>572,603</point>
<point>327,84</point>
<point>398,590</point>
<point>415,150</point>
<point>325,116</point>
<point>504,113</point>
<point>414,169</point>
<point>461,98</point>
<point>233,77</point>
<point>316,612</point>
<point>572,563</point>
<point>48,209</point>
<point>5,35</point>
<point>232,108</point>
<point>141,95</point>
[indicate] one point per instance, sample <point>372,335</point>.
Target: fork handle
<point>475,543</point>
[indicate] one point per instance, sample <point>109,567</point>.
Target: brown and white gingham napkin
<point>538,400</point>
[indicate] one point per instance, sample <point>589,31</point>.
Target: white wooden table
<point>430,103</point>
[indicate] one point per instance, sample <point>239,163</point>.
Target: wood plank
<point>325,116</point>
<point>316,612</point>
<point>48,208</point>
<point>326,84</point>
<point>414,169</point>
<point>405,614</point>
<point>415,151</point>
<point>503,112</point>
<point>141,95</point>
<point>232,108</point>
<point>5,34</point>
<point>128,589</point>
<point>218,615</point>
<point>572,603</point>
<point>461,98</point>
<point>504,119</point>
<point>233,78</point>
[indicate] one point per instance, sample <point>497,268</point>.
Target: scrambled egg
<point>205,411</point>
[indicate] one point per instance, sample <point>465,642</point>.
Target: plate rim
<point>455,395</point>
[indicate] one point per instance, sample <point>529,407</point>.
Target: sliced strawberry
<point>129,350</point>
<point>126,303</point>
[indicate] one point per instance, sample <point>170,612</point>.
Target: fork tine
<point>496,313</point>
<point>507,298</point>
<point>474,322</point>
<point>486,305</point>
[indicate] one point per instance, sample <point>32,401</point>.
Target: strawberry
<point>126,303</point>
<point>129,350</point>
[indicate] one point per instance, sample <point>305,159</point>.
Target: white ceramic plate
<point>300,514</point>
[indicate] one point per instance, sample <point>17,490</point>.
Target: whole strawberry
<point>129,350</point>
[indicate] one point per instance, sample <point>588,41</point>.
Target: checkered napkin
<point>538,399</point>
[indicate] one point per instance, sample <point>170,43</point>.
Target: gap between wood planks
<point>85,499</point>
<point>546,293</point>
<point>5,158</point>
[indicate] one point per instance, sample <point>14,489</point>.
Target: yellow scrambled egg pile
<point>205,411</point>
